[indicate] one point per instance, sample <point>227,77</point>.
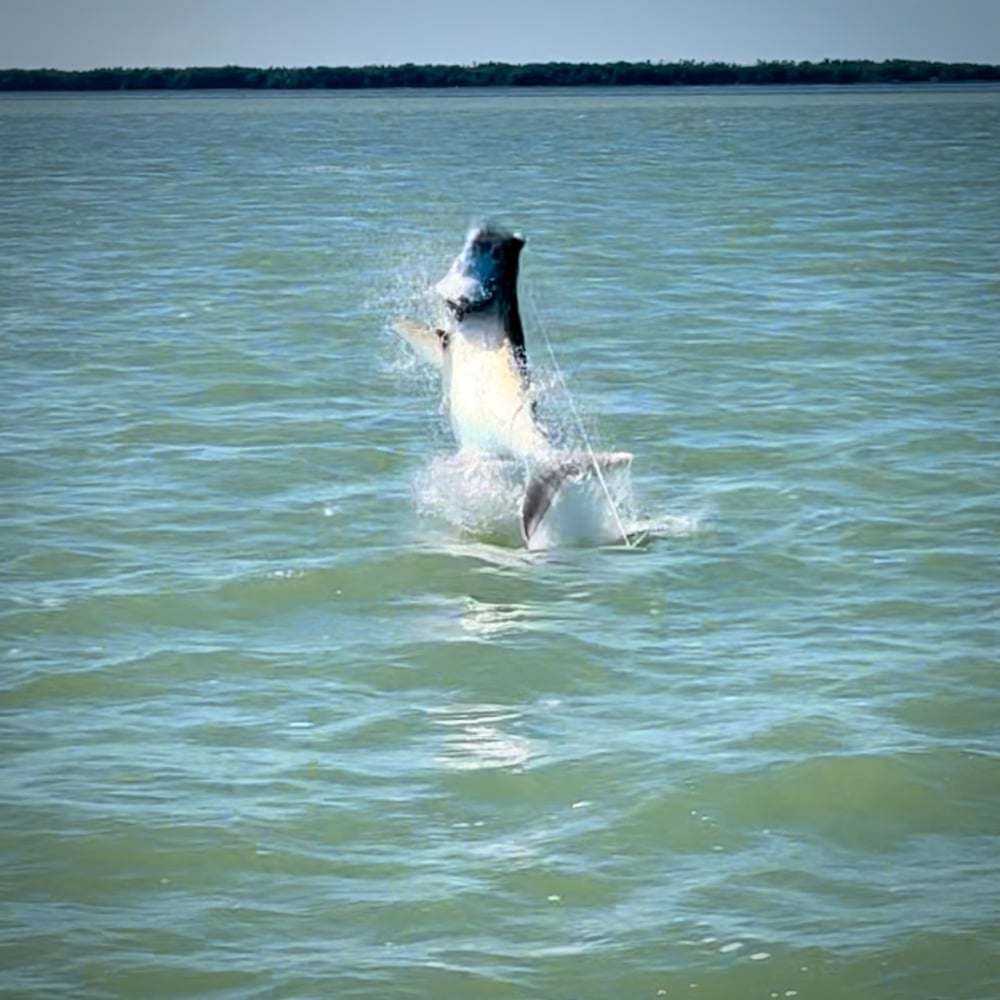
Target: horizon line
<point>827,60</point>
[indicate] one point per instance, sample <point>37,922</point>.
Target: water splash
<point>478,494</point>
<point>481,496</point>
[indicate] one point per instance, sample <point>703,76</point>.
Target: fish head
<point>484,273</point>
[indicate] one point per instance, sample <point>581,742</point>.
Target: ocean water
<point>281,716</point>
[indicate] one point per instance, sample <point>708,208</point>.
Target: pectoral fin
<point>429,344</point>
<point>546,482</point>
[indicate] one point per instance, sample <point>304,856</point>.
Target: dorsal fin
<point>542,489</point>
<point>545,482</point>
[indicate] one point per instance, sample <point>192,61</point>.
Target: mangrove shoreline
<point>499,74</point>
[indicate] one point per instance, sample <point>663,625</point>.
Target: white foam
<point>477,494</point>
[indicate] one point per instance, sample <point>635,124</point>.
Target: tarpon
<point>483,359</point>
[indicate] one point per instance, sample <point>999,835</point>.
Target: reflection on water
<point>476,737</point>
<point>488,621</point>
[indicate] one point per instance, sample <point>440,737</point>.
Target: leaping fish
<point>484,364</point>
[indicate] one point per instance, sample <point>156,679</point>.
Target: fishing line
<point>578,420</point>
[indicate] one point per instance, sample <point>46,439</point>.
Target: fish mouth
<point>485,270</point>
<point>464,293</point>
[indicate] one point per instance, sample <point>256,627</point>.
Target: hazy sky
<point>78,34</point>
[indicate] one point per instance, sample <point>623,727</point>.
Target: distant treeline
<point>552,74</point>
